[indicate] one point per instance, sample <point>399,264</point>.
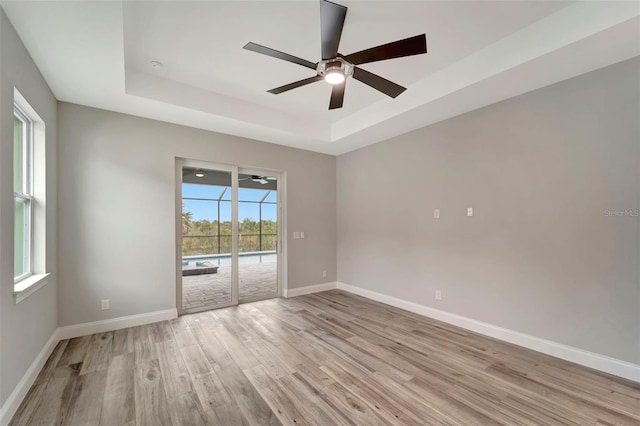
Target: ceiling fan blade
<point>337,95</point>
<point>279,55</point>
<point>295,84</point>
<point>331,22</point>
<point>397,49</point>
<point>385,86</point>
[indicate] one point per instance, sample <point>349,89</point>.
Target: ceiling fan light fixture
<point>199,174</point>
<point>334,76</point>
<point>334,72</point>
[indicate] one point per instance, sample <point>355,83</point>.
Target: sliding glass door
<point>207,244</point>
<point>228,236</point>
<point>257,235</point>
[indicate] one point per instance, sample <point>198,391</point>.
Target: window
<point>22,194</point>
<point>29,200</point>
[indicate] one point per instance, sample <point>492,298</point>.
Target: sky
<point>206,209</point>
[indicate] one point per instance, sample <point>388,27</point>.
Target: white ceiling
<point>480,52</point>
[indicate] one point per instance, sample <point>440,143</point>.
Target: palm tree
<point>187,223</point>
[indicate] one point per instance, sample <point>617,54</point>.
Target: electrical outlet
<point>438,295</point>
<point>469,211</point>
<point>301,234</point>
<point>324,274</point>
<point>436,213</point>
<point>106,304</point>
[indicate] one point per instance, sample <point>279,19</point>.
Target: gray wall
<point>26,327</point>
<point>116,199</point>
<point>540,255</point>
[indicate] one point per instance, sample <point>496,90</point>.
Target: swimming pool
<point>225,259</point>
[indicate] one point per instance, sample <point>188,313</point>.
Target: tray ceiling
<point>100,53</point>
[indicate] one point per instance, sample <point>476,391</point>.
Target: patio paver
<point>256,281</point>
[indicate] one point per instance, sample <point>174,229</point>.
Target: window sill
<point>26,287</point>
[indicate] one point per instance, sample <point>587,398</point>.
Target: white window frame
<point>34,193</point>
<point>26,195</point>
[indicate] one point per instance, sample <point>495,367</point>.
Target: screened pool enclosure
<point>206,220</point>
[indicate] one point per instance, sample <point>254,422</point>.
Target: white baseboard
<point>12,403</point>
<point>293,292</point>
<point>87,328</point>
<point>603,363</point>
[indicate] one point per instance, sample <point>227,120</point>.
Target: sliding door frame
<point>281,241</point>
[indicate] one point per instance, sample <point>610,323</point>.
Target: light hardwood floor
<point>324,359</point>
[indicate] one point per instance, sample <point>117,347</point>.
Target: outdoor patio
<point>258,280</point>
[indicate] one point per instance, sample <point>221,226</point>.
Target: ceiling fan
<point>262,179</point>
<point>334,67</point>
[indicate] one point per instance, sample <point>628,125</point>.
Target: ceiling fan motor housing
<point>335,64</point>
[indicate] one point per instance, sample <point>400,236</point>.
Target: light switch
<point>301,234</point>
<point>469,211</point>
<point>296,235</point>
<point>436,213</point>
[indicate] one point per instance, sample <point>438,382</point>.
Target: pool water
<point>225,260</point>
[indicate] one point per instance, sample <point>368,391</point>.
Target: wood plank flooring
<point>323,359</point>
